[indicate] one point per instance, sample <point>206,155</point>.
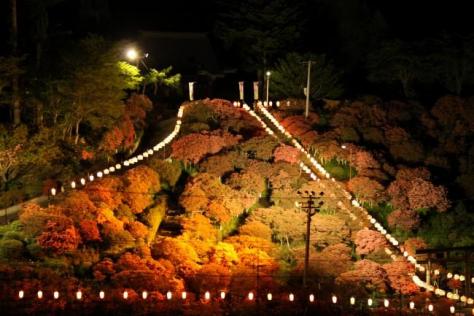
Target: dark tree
<point>258,30</point>
<point>290,74</point>
<point>397,62</point>
<point>453,61</point>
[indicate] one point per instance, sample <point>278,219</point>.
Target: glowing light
<point>223,295</point>
<point>56,295</point>
<point>125,295</point>
<point>452,309</point>
<point>184,295</point>
<point>386,303</point>
<point>101,295</point>
<point>83,181</point>
<point>73,184</point>
<point>311,298</point>
<point>268,73</point>
<point>430,307</point>
<point>53,191</point>
<point>334,299</point>
<point>91,178</point>
<point>269,296</point>
<point>207,295</point>
<point>169,295</point>
<point>462,278</point>
<point>369,302</point>
<point>250,296</point>
<point>291,297</point>
<point>449,275</point>
<point>99,174</point>
<point>21,294</point>
<point>132,54</point>
<point>78,295</point>
<point>412,305</point>
<point>40,294</point>
<point>144,295</point>
<point>118,166</point>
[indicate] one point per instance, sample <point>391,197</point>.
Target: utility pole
<point>268,74</point>
<point>308,84</point>
<point>311,209</point>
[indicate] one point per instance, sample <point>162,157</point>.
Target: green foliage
<point>230,227</point>
<point>35,250</point>
<point>11,249</point>
<point>450,229</point>
<point>259,147</point>
<point>93,84</point>
<point>338,170</point>
<point>130,73</point>
<point>290,77</point>
<point>13,227</point>
<point>161,78</point>
<point>60,265</point>
<point>380,211</point>
<point>169,170</point>
<point>154,217</point>
<point>198,112</point>
<point>118,242</point>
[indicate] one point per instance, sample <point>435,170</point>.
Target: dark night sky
<point>405,18</point>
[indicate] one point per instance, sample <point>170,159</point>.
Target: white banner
<point>255,90</point>
<point>191,91</point>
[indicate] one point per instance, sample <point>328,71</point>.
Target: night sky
<point>405,18</point>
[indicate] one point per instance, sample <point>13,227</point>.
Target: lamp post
<point>268,74</point>
<point>133,55</point>
<point>308,84</point>
<point>350,160</point>
<point>311,208</point>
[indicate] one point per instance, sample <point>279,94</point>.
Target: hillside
<point>220,214</point>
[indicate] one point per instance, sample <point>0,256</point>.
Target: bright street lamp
<point>132,54</point>
<point>268,74</point>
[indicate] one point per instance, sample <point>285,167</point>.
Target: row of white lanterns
<point>131,161</point>
<point>79,295</point>
<point>295,142</point>
<point>392,240</point>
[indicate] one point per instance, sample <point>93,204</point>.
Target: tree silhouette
<point>396,62</point>
<point>289,77</point>
<point>258,30</point>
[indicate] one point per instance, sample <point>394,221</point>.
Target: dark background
<point>119,19</point>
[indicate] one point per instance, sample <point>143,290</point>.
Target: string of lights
<point>207,296</point>
<point>374,222</point>
<point>79,295</point>
<point>74,184</point>
<point>307,169</point>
